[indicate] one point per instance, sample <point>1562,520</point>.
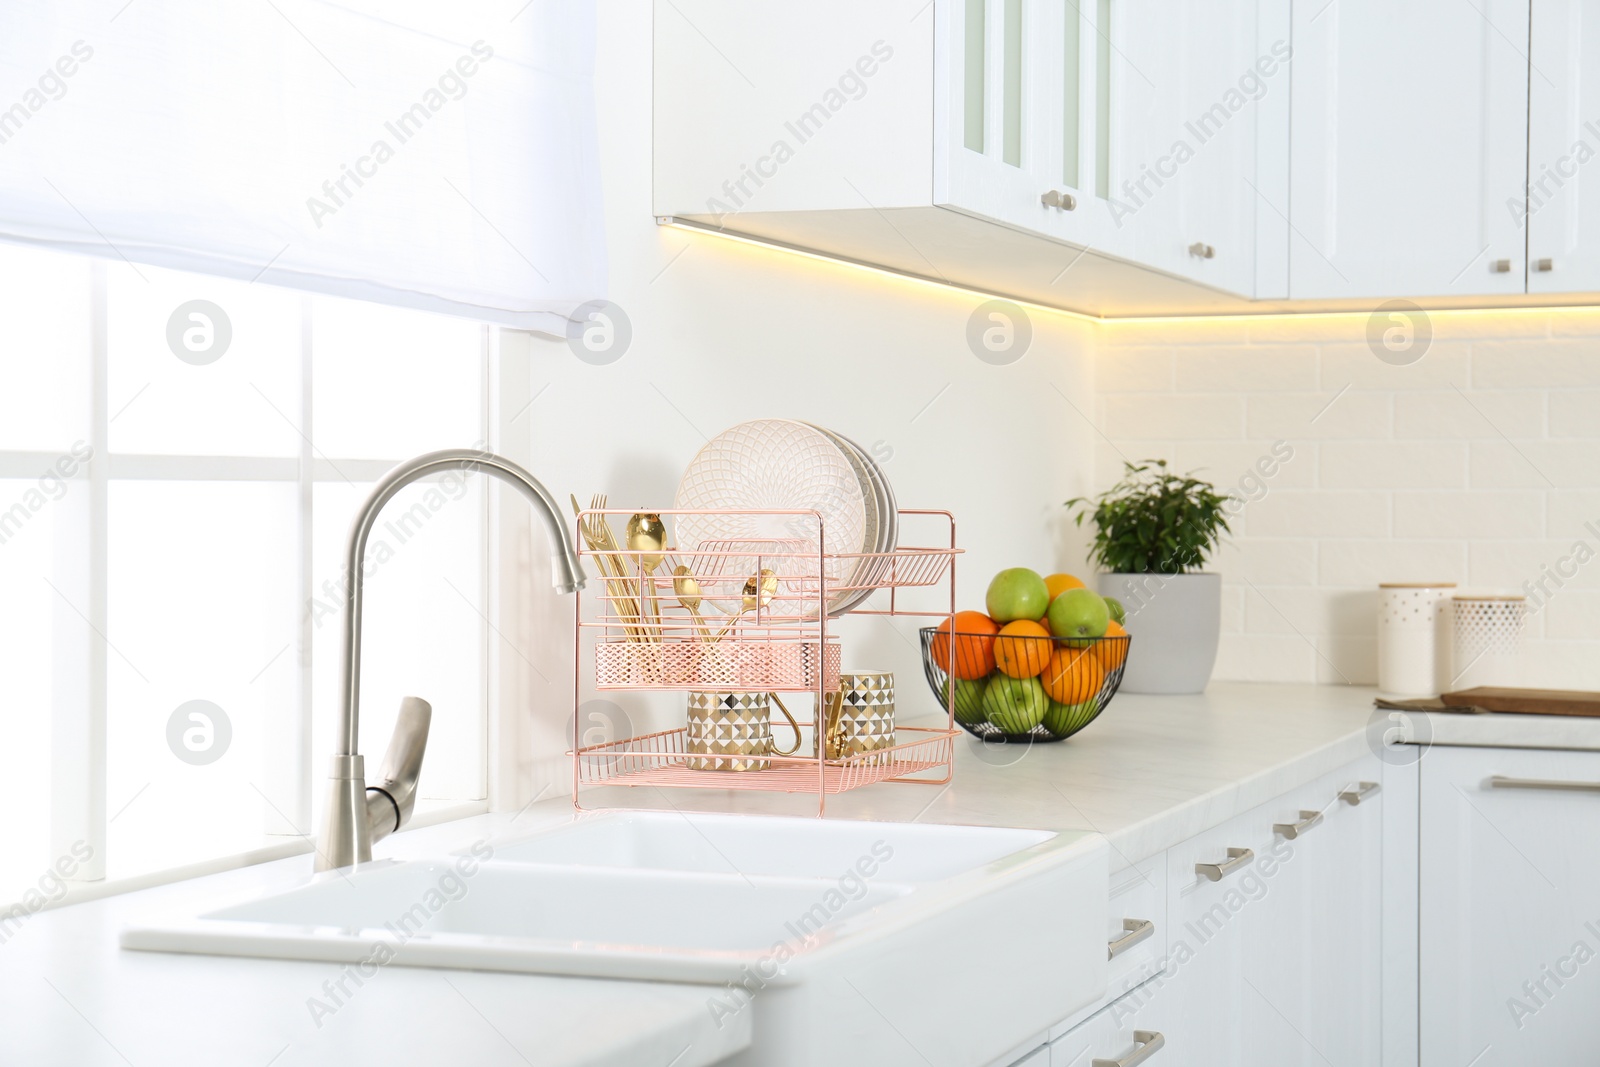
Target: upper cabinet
<point>1129,157</point>
<point>1110,156</point>
<point>1561,212</point>
<point>1410,127</point>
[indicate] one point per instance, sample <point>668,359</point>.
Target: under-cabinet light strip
<point>995,294</point>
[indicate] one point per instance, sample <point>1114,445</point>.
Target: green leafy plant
<point>1154,521</point>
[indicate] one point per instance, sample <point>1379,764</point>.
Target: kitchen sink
<point>894,932</point>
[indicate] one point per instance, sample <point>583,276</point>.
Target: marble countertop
<point>1152,772</point>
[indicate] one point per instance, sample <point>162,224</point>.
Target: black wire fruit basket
<point>998,700</point>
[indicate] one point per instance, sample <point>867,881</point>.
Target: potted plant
<point>1153,531</point>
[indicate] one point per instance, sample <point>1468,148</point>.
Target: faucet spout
<point>356,816</point>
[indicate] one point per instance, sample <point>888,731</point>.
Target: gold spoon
<point>759,589</point>
<point>647,535</point>
<point>688,590</point>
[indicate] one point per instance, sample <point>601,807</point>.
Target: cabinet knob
<point>1362,791</point>
<point>1216,872</point>
<point>1201,250</point>
<point>1292,830</point>
<point>1500,781</point>
<point>1147,1043</point>
<point>1137,930</point>
<point>1544,264</point>
<point>1059,200</point>
<point>1501,266</point>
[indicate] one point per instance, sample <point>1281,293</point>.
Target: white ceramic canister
<point>1413,638</point>
<point>1488,641</point>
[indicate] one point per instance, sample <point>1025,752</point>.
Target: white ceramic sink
<point>960,940</point>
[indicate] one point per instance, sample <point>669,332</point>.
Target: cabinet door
<point>1344,918</point>
<point>1189,86</point>
<point>1510,907</point>
<point>1019,86</point>
<point>1563,196</point>
<point>1312,944</point>
<point>1209,922</point>
<point>1409,131</point>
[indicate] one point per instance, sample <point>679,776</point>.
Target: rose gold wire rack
<point>761,624</point>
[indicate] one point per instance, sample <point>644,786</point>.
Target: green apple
<point>1015,705</point>
<point>1017,593</point>
<point>1064,719</point>
<point>969,700</point>
<point>1078,615</point>
<point>1119,614</point>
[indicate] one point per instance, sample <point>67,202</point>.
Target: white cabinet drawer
<point>1136,925</point>
<point>1117,1033</point>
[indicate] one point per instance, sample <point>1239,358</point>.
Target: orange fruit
<point>1112,654</point>
<point>1023,648</point>
<point>1056,584</point>
<point>973,646</point>
<point>1073,675</point>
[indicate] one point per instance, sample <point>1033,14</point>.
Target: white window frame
<point>78,800</point>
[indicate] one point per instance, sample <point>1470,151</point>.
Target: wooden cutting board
<point>1526,701</point>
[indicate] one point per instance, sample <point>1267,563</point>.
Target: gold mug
<point>859,716</point>
<point>732,731</point>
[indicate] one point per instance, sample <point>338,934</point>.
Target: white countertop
<point>1151,773</point>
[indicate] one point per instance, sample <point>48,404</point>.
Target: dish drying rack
<point>639,636</point>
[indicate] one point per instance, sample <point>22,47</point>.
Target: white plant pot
<point>1175,620</point>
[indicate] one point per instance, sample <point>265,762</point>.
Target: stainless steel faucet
<point>359,814</point>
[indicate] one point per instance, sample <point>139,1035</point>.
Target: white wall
<point>724,332</point>
<point>1479,464</point>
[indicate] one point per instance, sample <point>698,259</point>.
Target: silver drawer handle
<point>1500,781</point>
<point>1201,250</point>
<point>1148,1043</point>
<point>1292,830</point>
<point>1216,872</point>
<point>1059,200</point>
<point>1137,930</point>
<point>1501,266</point>
<point>1362,791</point>
<point>1544,264</point>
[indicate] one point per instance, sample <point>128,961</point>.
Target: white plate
<point>772,464</point>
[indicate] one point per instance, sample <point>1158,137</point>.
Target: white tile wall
<point>1478,464</point>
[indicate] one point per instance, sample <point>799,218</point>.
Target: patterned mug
<point>732,731</point>
<point>860,715</point>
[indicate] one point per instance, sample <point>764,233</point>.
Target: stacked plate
<point>783,465</point>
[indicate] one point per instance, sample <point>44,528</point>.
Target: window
<point>180,457</point>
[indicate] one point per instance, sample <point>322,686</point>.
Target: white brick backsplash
<point>1568,512</point>
<point>1366,564</point>
<point>1318,514</point>
<point>1572,613</point>
<point>1317,416</point>
<point>1551,364</point>
<point>1550,566</point>
<point>1280,610</point>
<point>1347,660</point>
<point>1265,658</point>
<point>1267,562</point>
<point>1174,417</point>
<point>1133,370</point>
<point>1248,368</point>
<point>1575,412</point>
<point>1476,515</point>
<point>1355,365</point>
<point>1392,465</point>
<point>1455,416</point>
<point>1566,464</point>
<point>1478,464</point>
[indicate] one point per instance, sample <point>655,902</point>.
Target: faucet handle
<point>391,800</point>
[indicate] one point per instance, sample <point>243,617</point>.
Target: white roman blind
<point>432,155</point>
